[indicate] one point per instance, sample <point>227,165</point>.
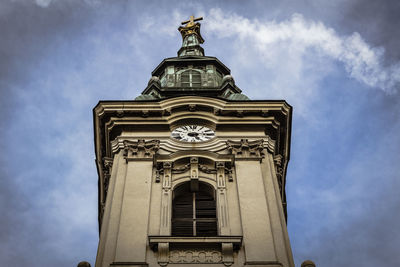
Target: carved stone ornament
<point>278,160</point>
<point>206,250</point>
<point>181,169</point>
<point>140,148</point>
<point>206,169</point>
<point>167,112</point>
<point>195,256</point>
<point>102,207</point>
<point>107,165</point>
<point>229,173</point>
<point>245,148</point>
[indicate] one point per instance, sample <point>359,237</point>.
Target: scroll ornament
<point>245,148</point>
<point>140,148</point>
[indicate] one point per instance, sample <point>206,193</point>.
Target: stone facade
<point>240,163</point>
<point>230,183</point>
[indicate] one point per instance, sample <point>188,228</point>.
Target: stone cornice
<point>228,108</point>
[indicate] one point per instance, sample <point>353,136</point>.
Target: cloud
<point>361,61</point>
<point>293,59</point>
<point>43,3</point>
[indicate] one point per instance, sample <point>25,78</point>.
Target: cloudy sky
<point>337,63</point>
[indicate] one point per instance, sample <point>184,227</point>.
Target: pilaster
<point>259,246</point>
<point>278,221</point>
<point>222,211</point>
<point>256,225</point>
<point>112,213</point>
<point>166,200</point>
<point>130,247</point>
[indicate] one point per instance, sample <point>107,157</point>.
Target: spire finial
<point>191,21</point>
<point>191,27</point>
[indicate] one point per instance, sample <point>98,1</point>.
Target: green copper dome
<point>191,73</point>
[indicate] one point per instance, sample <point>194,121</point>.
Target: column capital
<point>140,149</point>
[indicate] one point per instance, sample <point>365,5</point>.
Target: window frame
<point>195,219</point>
<point>189,74</point>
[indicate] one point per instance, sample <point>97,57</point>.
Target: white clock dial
<point>193,133</point>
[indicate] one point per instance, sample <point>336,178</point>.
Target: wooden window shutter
<point>194,213</point>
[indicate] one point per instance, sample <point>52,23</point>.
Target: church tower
<point>192,172</point>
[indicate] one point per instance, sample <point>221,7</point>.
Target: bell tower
<point>192,172</point>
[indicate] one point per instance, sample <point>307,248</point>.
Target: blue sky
<point>336,63</point>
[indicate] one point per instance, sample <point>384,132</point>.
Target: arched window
<point>191,78</point>
<point>194,212</point>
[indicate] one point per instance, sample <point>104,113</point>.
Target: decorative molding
<point>195,256</point>
<point>220,174</point>
<point>140,148</point>
<point>246,149</point>
<point>194,174</point>
<point>158,179</point>
<point>116,145</point>
<point>269,144</point>
<point>227,253</point>
<point>280,168</point>
<point>167,166</point>
<point>192,107</point>
<point>166,199</point>
<point>164,164</point>
<point>222,201</point>
<point>229,172</point>
<point>101,212</point>
<point>120,113</point>
<point>206,169</point>
<point>203,153</point>
<point>206,254</point>
<point>182,169</point>
<point>108,162</point>
<point>216,111</point>
<point>166,211</point>
<point>163,254</point>
<point>215,145</point>
<point>107,166</point>
<point>166,112</point>
<point>278,160</point>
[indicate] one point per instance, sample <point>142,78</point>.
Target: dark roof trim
<point>158,69</point>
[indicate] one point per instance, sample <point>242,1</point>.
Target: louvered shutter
<point>206,216</point>
<point>182,215</point>
<point>194,213</point>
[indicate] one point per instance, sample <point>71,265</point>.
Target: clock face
<point>193,133</point>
